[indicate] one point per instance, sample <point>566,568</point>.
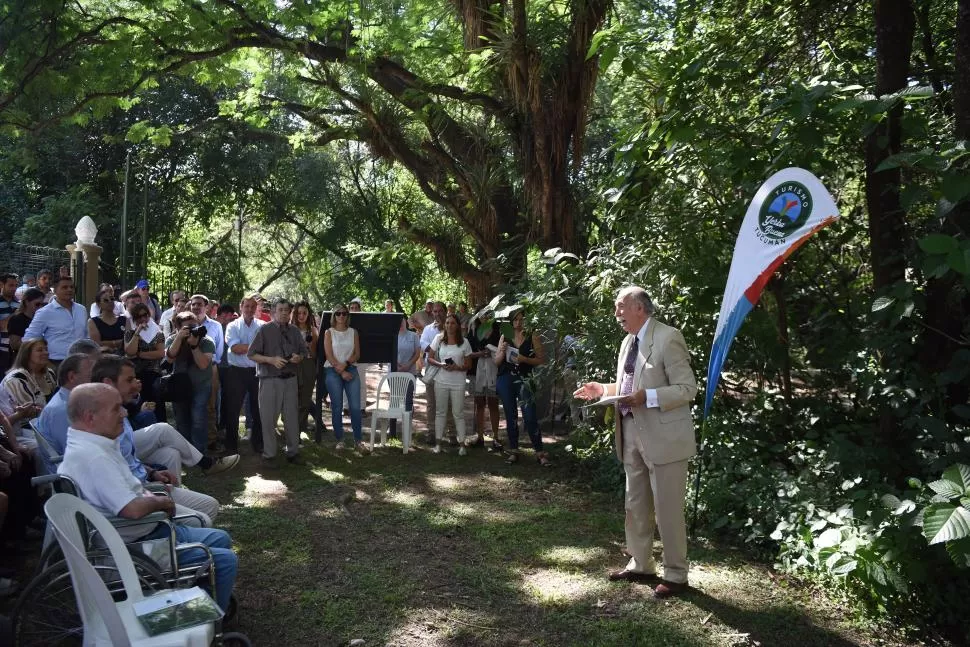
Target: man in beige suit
<point>654,438</point>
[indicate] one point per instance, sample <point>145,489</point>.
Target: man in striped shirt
<point>8,306</point>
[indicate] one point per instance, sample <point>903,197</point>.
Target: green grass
<point>446,550</point>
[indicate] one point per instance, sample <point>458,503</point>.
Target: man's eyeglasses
<point>341,314</point>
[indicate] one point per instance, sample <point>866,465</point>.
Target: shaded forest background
<point>413,148</point>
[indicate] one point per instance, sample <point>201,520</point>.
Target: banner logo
<point>787,207</point>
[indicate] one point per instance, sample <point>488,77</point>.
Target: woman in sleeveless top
<point>108,329</point>
<point>513,386</point>
<point>342,347</point>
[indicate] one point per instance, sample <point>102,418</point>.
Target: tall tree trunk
<point>894,23</point>
<point>894,26</point>
<point>946,310</point>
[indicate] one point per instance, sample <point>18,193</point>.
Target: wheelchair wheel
<point>46,613</point>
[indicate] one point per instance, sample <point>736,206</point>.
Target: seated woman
<point>342,348</point>
<point>108,328</point>
<point>513,385</point>
<point>28,384</point>
<point>452,354</point>
<point>145,346</point>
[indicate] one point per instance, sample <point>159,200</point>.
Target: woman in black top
<point>516,358</point>
<point>17,324</point>
<point>108,329</point>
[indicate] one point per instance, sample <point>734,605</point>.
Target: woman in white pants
<point>451,353</point>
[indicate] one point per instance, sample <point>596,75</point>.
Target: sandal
<point>513,458</point>
<point>543,459</point>
<point>496,447</point>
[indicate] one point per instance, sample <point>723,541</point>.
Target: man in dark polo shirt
<point>276,349</point>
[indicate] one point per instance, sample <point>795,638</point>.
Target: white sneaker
<point>222,464</point>
<point>462,451</point>
<point>437,449</point>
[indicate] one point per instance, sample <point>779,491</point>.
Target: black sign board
<point>377,332</point>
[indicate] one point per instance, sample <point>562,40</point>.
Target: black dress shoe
<point>632,576</point>
<point>668,589</point>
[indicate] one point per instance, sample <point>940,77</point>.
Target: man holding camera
<point>277,348</point>
<point>190,350</point>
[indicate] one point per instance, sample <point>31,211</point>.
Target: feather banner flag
<point>786,211</point>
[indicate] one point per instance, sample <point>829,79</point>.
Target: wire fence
<point>21,259</point>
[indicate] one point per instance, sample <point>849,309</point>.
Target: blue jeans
<point>512,390</point>
<point>336,388</point>
<point>225,562</point>
<point>143,419</point>
<point>192,418</point>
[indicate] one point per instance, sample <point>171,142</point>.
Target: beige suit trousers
<point>655,496</point>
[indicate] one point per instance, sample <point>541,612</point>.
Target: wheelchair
<point>46,612</point>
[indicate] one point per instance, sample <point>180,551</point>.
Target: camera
<point>198,331</point>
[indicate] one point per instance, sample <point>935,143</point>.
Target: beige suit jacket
<point>663,363</point>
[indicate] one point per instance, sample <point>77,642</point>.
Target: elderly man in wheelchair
<point>94,462</point>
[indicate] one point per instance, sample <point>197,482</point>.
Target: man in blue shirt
<point>52,423</point>
<point>61,322</point>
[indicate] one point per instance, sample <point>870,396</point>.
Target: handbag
<point>430,374</point>
<point>174,387</point>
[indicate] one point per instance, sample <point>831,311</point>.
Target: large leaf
<point>956,186</point>
<point>946,488</point>
<point>938,244</point>
<point>945,522</point>
<point>960,475</point>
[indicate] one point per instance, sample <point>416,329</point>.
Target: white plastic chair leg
<point>373,428</point>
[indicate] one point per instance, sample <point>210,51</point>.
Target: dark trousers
<point>239,382</point>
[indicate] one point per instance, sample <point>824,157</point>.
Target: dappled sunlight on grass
<point>329,475</point>
<point>552,586</point>
<point>451,483</point>
<point>572,555</point>
<point>261,492</point>
<point>405,498</point>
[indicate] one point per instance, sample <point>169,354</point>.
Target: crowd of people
<point>85,392</point>
<point>88,392</point>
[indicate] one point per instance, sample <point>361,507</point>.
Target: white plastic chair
<point>107,622</point>
<point>52,456</point>
<point>398,384</point>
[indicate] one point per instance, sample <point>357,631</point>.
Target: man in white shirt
<point>93,461</point>
<point>241,377</point>
<point>179,302</point>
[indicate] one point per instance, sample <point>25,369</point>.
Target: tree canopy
<point>360,144</point>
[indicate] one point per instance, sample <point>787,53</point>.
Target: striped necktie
<point>626,387</point>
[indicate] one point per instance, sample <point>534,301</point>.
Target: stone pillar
<point>85,266</point>
<point>90,277</point>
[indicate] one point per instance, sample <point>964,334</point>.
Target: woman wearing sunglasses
<point>342,347</point>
